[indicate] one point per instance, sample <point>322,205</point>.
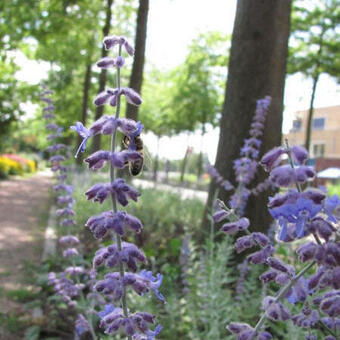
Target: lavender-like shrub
<point>74,279</point>
<point>114,224</point>
<point>305,217</point>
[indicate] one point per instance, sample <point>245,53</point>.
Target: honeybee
<point>135,167</point>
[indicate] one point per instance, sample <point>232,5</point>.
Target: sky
<point>172,25</point>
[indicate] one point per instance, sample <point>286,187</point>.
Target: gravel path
<point>23,205</point>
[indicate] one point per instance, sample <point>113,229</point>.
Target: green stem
<point>113,197</point>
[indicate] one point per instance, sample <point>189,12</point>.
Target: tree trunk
<point>86,90</point>
<point>257,67</point>
<point>200,156</point>
<point>310,113</point>
<point>184,164</point>
<point>155,168</point>
<point>136,78</point>
<point>102,76</point>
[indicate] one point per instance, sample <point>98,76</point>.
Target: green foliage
<point>314,43</point>
<point>199,83</point>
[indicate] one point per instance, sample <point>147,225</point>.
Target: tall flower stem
<point>113,197</point>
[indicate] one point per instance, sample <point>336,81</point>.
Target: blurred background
<point>200,67</point>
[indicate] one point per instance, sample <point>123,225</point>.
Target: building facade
<point>325,137</point>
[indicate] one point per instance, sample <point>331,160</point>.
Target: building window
<point>297,124</point>
<point>318,123</point>
<point>318,150</point>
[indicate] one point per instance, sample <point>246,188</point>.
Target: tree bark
<point>86,90</point>
<point>257,68</point>
<point>136,78</point>
<point>103,72</point>
<point>310,113</point>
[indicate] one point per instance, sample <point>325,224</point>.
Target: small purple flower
<point>67,222</point>
<point>275,310</point>
<point>74,270</point>
<point>69,252</point>
<point>283,176</point>
<point>329,205</point>
<point>132,97</point>
<point>112,41</point>
<point>65,212</point>
<point>234,227</point>
<point>84,133</point>
<point>82,325</point>
<point>111,256</point>
<point>272,158</point>
<point>52,126</point>
<point>69,240</point>
<point>304,173</point>
<point>99,192</point>
<point>308,318</point>
<point>220,215</point>
<point>129,127</point>
<point>101,224</point>
<point>108,62</point>
<point>109,95</point>
<point>262,255</point>
<point>299,154</point>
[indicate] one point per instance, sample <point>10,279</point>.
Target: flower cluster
<point>115,223</point>
<point>300,214</point>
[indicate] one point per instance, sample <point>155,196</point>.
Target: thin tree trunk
<point>155,169</point>
<point>310,113</point>
<point>200,156</point>
<point>103,72</point>
<point>184,164</point>
<point>136,78</point>
<point>257,68</point>
<point>86,90</point>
